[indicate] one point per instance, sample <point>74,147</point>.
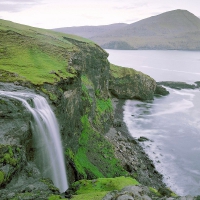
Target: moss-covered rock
<point>92,142</point>
<point>127,83</point>
<point>12,159</point>
<point>161,91</point>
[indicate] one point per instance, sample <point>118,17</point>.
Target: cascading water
<point>49,153</point>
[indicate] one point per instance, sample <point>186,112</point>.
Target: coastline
<point>129,151</point>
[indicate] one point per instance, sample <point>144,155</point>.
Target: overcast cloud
<point>63,13</point>
<point>16,5</point>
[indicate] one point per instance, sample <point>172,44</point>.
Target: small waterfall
<point>49,153</point>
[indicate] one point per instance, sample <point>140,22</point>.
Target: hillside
<point>177,29</point>
<point>36,55</point>
<point>74,75</point>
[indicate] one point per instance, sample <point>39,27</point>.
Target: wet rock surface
<point>130,153</point>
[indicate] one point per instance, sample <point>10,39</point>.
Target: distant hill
<point>90,31</point>
<point>177,29</point>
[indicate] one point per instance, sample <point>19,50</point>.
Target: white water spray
<point>49,153</point>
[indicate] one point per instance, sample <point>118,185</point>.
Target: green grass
<point>35,55</point>
<point>95,156</point>
<point>97,189</point>
<point>56,197</point>
<point>85,95</point>
<point>90,196</point>
<point>86,81</point>
<point>1,177</point>
<point>80,159</point>
<point>104,105</point>
<point>120,72</point>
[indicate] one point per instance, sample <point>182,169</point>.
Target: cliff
<point>75,77</point>
<point>127,83</point>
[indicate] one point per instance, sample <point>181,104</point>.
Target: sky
<point>65,13</point>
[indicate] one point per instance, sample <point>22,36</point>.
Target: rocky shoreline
<point>130,153</point>
<point>136,162</point>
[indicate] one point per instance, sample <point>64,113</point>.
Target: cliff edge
<point>74,75</point>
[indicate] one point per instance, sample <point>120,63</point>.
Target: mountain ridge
<point>176,29</point>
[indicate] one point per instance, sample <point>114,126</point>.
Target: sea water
<point>171,123</point>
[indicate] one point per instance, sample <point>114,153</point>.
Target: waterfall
<point>49,153</point>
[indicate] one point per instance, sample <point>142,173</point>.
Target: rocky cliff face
<point>78,88</point>
<point>127,83</point>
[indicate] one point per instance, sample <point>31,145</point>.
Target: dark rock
<point>129,193</point>
<point>165,192</point>
<point>198,84</point>
<point>117,123</point>
<point>142,139</point>
<point>127,83</point>
<point>161,91</point>
<point>177,85</point>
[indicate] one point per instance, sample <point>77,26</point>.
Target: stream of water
<point>49,155</point>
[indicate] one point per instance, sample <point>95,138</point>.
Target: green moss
<point>90,196</point>
<point>81,157</point>
<point>95,156</point>
<point>97,189</point>
<point>51,95</point>
<point>93,145</point>
<point>97,93</point>
<point>7,157</point>
<point>55,197</point>
<point>86,81</point>
<point>1,177</point>
<point>50,185</point>
<point>104,105</point>
<point>104,184</point>
<point>153,190</point>
<point>85,95</point>
<point>10,151</point>
<point>26,195</point>
<point>162,192</point>
<point>9,160</point>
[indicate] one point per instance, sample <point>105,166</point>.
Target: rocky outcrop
<point>178,85</point>
<point>143,193</point>
<point>127,83</point>
<point>161,90</point>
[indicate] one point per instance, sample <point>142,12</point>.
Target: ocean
<point>171,123</point>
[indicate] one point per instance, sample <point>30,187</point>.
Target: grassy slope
<point>98,188</point>
<point>120,72</point>
<point>35,55</point>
